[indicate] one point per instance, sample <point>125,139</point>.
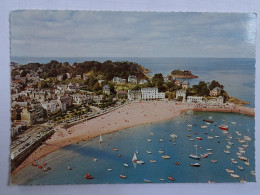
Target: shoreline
<point>130,115</point>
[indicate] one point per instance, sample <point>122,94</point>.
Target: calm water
<point>80,156</point>
<point>237,75</point>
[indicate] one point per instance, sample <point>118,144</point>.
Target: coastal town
<point>39,104</point>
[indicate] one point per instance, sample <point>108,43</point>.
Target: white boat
<point>213,160</point>
<point>161,140</point>
<point>227,151</point>
<point>228,147</point>
<point>195,156</point>
<point>191,139</point>
<point>241,140</point>
<point>204,126</point>
<point>245,146</point>
<point>160,151</point>
<point>242,151</point>
<point>134,159</point>
<point>152,161</point>
<point>239,154</point>
<point>224,132</point>
<point>247,138</point>
<point>126,165</point>
<point>209,149</point>
<point>240,168</point>
<point>109,169</point>
<point>229,171</point>
<point>100,139</point>
<point>149,140</point>
<point>240,148</point>
<point>209,137</point>
<point>216,136</point>
<point>247,163</point>
<point>189,125</point>
<point>151,133</point>
<point>234,175</point>
<point>165,157</point>
<point>230,136</point>
<point>253,173</point>
<point>233,160</point>
<point>173,136</point>
<point>234,123</point>
<point>230,143</point>
<point>242,158</point>
<point>149,151</point>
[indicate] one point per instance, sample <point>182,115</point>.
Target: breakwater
<point>17,160</point>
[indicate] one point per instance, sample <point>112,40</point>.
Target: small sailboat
<point>233,160</point>
<point>161,140</point>
<point>189,125</point>
<point>230,136</point>
<point>100,139</point>
<point>134,159</point>
<point>253,173</point>
<point>166,156</point>
<point>195,156</point>
<point>160,151</point>
<point>149,140</point>
<point>242,158</point>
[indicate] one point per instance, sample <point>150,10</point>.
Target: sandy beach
<point>130,115</point>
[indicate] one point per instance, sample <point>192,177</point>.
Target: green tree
<point>158,80</point>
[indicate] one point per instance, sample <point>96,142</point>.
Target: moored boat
<point>234,175</point>
<point>152,161</point>
<point>209,121</point>
<point>69,167</point>
<point>213,160</point>
<point>227,151</point>
<point>204,126</point>
<point>88,176</point>
<point>177,163</point>
<point>242,158</point>
<point>223,127</point>
<point>126,165</point>
<point>166,157</point>
<point>240,168</point>
<point>147,181</point>
<point>195,164</point>
<point>198,138</point>
<point>204,155</point>
<point>233,160</point>
<point>171,178</point>
<point>229,171</point>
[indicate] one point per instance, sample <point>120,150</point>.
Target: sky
<point>49,33</point>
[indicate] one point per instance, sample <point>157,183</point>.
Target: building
<point>142,81</point>
<point>149,93</point>
<point>122,94</point>
<point>106,89</point>
<point>78,76</point>
<point>193,99</point>
<point>85,76</point>
<point>185,84</point>
<point>181,93</point>
<point>71,87</point>
<point>60,77</point>
<point>79,98</point>
<point>118,80</point>
<point>134,95</point>
<point>66,102</point>
<point>220,100</point>
<point>214,92</point>
<point>132,79</point>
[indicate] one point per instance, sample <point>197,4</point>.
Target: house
<point>134,95</point>
<point>78,76</point>
<point>71,87</point>
<point>118,80</point>
<point>193,99</point>
<point>142,81</point>
<point>181,93</point>
<point>106,89</point>
<point>122,94</point>
<point>220,100</point>
<point>97,98</point>
<point>66,102</point>
<point>28,116</point>
<point>68,75</point>
<point>214,92</point>
<point>79,98</point>
<point>52,107</point>
<point>132,79</point>
<point>85,76</point>
<point>185,84</point>
<point>60,77</point>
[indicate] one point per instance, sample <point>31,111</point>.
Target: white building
<point>192,99</point>
<point>214,92</point>
<point>79,98</point>
<point>134,95</point>
<point>181,93</point>
<point>142,81</point>
<point>106,89</point>
<point>132,79</point>
<point>118,80</point>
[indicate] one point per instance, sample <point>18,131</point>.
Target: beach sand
<point>130,115</point>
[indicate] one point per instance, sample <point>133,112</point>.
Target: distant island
<point>183,74</point>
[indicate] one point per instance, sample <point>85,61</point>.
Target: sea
<point>238,77</point>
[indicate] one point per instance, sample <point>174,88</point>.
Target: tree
<point>158,80</point>
<point>214,84</point>
<point>169,85</point>
<point>97,87</point>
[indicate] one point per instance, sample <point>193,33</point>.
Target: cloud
<point>124,34</point>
